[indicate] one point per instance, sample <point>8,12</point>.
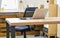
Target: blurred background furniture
<point>40,14</point>
<point>53,12</point>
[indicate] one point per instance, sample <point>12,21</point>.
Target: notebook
<point>39,13</point>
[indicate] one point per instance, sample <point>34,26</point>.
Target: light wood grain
<point>53,12</point>
<point>51,1</point>
<point>32,21</point>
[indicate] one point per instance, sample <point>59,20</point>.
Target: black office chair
<point>28,13</point>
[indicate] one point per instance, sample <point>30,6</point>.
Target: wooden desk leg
<point>44,36</point>
<point>12,32</point>
<point>48,36</point>
<point>24,34</point>
<point>7,30</point>
<point>55,36</point>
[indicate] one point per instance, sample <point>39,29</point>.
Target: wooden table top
<point>18,21</point>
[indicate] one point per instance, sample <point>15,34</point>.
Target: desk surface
<point>18,21</point>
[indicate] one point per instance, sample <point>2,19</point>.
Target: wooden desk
<point>17,22</point>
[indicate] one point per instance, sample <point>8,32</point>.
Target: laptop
<point>39,13</point>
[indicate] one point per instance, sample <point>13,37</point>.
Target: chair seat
<point>21,28</point>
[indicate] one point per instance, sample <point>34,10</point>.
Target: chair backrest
<point>29,11</point>
<point>39,13</point>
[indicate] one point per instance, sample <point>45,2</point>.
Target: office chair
<point>28,13</point>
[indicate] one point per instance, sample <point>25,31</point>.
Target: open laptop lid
<point>40,13</point>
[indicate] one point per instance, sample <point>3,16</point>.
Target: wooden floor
<point>28,36</point>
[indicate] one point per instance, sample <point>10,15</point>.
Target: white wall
<point>9,5</point>
<point>34,2</point>
<point>0,3</point>
<point>12,5</point>
<point>58,27</point>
